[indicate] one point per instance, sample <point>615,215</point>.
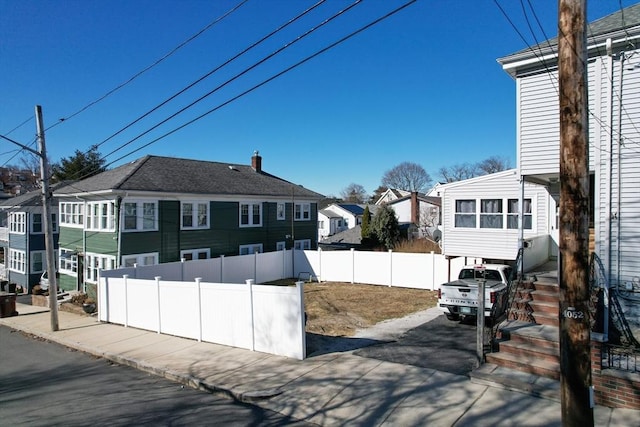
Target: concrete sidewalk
<point>330,389</point>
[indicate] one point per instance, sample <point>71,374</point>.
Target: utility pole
<point>575,361</point>
<point>48,229</point>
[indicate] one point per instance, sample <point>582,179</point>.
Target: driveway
<point>425,339</point>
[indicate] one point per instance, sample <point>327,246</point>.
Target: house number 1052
<point>572,313</point>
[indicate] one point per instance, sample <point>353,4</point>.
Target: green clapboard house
<point>163,209</point>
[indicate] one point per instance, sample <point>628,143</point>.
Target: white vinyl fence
<point>216,300</point>
<point>264,318</point>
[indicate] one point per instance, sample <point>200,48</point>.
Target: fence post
<point>319,276</point>
<point>255,267</point>
<point>303,326</point>
<point>182,261</point>
<point>390,268</point>
<point>198,280</point>
<point>135,270</point>
<point>222,269</point>
<point>157,278</point>
<point>126,300</point>
<point>433,271</point>
<point>353,265</point>
<point>251,320</point>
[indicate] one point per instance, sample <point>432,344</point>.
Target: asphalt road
<point>44,384</point>
<point>439,344</point>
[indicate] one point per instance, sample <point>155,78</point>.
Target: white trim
<point>250,249</point>
<point>140,259</point>
<point>139,215</point>
<point>195,252</point>
<point>17,261</point>
<point>43,261</point>
<point>250,206</point>
<point>195,220</point>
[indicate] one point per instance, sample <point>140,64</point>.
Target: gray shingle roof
<point>174,175</point>
<point>32,198</point>
<point>623,22</point>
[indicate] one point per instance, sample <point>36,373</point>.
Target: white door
<point>554,222</point>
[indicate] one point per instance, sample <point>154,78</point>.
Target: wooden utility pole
<point>575,361</point>
<point>48,226</point>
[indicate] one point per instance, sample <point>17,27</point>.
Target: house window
<point>17,222</point>
<point>195,215</point>
<point>140,216</point>
<point>302,244</point>
<point>38,261</point>
<point>17,261</point>
<point>250,214</point>
<point>192,254</point>
<point>281,211</point>
<point>36,223</point>
<point>321,225</point>
<point>97,262</point>
<point>101,216</point>
<point>302,212</point>
<point>281,246</point>
<point>491,213</point>
<point>513,211</point>
<point>68,261</point>
<point>72,214</point>
<point>251,249</point>
<point>465,215</point>
<point>140,259</point>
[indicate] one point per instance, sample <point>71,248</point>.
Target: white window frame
<point>281,246</point>
<point>96,262</point>
<point>140,259</point>
<point>71,214</point>
<point>490,217</point>
<point>68,262</point>
<point>32,261</point>
<point>194,254</point>
<point>505,213</point>
<point>461,214</point>
<point>251,206</point>
<point>195,213</point>
<point>101,215</point>
<point>303,244</point>
<point>516,214</point>
<point>17,261</point>
<point>250,249</point>
<point>18,222</point>
<point>141,218</point>
<point>54,223</point>
<point>302,212</point>
<point>281,211</point>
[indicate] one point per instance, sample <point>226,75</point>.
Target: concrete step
<point>543,287</point>
<point>541,335</point>
<point>509,379</point>
<point>525,349</point>
<point>528,315</point>
<point>530,364</point>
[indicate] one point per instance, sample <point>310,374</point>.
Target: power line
<point>138,74</point>
<point>273,77</point>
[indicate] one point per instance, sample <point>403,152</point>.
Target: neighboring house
<point>613,75</point>
<point>390,195</point>
<point>22,239</point>
<point>613,84</point>
<point>480,218</point>
<point>338,217</point>
<point>329,223</point>
<point>419,211</point>
<point>160,209</point>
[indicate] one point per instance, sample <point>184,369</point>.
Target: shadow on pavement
<point>439,344</point>
<point>323,344</point>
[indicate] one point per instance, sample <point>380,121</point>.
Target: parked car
<point>44,280</point>
<point>459,299</point>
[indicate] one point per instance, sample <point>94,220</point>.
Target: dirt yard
<point>339,309</point>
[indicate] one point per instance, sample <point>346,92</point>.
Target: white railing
<point>263,318</point>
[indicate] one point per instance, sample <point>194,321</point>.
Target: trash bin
<point>7,304</point>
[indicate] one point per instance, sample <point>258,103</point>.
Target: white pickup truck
<point>460,298</point>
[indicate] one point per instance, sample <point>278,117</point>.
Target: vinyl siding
<point>490,243</point>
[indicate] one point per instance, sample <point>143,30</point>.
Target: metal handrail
<point>598,281</point>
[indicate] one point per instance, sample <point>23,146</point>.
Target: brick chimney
<point>415,208</point>
<point>256,162</point>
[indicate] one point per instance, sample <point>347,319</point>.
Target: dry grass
<point>339,309</point>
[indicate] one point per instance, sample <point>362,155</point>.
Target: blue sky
<point>422,85</point>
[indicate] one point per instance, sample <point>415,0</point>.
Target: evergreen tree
<point>365,231</point>
<point>385,226</point>
<point>79,166</point>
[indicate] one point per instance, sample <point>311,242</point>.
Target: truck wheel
<point>453,317</point>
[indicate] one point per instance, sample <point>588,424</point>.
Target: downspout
<point>609,231</point>
<point>520,268</point>
<point>618,173</point>
<point>119,232</point>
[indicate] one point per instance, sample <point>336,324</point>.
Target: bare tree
<point>493,164</point>
<point>354,193</point>
<point>407,176</point>
<point>458,172</point>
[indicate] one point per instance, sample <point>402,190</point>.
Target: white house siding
<point>539,121</point>
<point>492,243</point>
